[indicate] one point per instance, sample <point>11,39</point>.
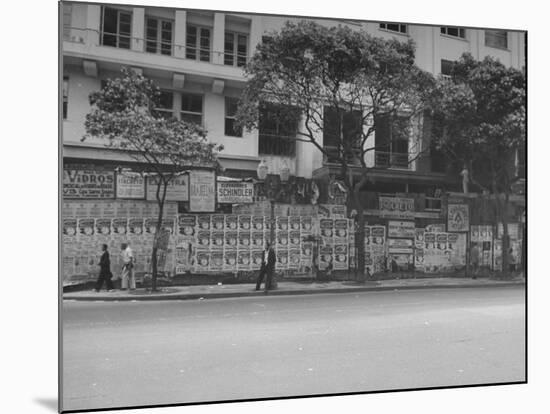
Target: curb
<point>198,296</point>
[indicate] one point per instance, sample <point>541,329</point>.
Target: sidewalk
<point>201,292</point>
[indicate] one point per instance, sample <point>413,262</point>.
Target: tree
<point>479,123</point>
<point>123,114</point>
<point>340,84</point>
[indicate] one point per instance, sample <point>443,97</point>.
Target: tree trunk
<point>360,230</point>
<point>505,237</point>
<point>154,258</point>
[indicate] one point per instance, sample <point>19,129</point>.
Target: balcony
<point>392,160</point>
<point>87,43</point>
<point>333,156</point>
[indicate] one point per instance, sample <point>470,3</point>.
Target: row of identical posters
<point>335,243</point>
<point>439,251</point>
<point>83,238</point>
<point>375,248</point>
<point>230,242</point>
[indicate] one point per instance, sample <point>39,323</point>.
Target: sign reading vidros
<point>80,183</point>
<point>235,192</point>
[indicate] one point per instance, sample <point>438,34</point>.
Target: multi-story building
<point>197,58</point>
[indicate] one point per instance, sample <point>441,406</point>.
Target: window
<point>454,31</point>
<point>198,43</point>
<point>116,28</point>
<point>394,27</point>
<point>391,141</point>
<point>65,96</point>
<point>235,49</point>
<point>496,38</point>
<point>339,127</point>
<point>191,108</point>
<point>277,130</point>
<point>159,36</point>
<point>446,67</point>
<point>231,129</point>
<point>67,13</point>
<point>165,107</point>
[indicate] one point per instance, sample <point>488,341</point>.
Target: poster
<point>234,192</point>
<point>306,223</point>
<point>216,260</point>
<point>435,228</point>
<point>396,207</point>
<point>86,227</point>
<point>202,261</point>
<point>130,185</point>
<point>419,238</point>
<point>217,222</point>
<point>401,229</point>
<point>135,226</point>
<point>168,223</point>
<point>203,239</point>
<point>244,240</point>
<point>258,223</point>
<point>458,218</point>
<point>341,257</point>
<point>217,239</point>
<point>230,260</point>
<point>294,259</point>
<point>243,260</point>
<point>306,256</point>
<point>338,211</point>
<point>325,257</point>
<point>231,222</point>
<point>202,191</point>
<point>150,226</point>
<point>282,223</point>
<point>245,222</point>
<point>256,258</point>
<point>282,260</point>
<point>326,228</point>
<point>341,231</point>
<point>187,224</point>
<point>375,248</point>
<point>282,238</point>
<point>88,183</point>
<point>176,190</point>
<point>401,246</point>
<point>231,240</point>
<point>257,239</point>
<point>294,239</point>
<point>69,227</point>
<point>294,223</point>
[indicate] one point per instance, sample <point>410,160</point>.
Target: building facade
<point>197,57</point>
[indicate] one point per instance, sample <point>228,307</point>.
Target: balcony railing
<point>333,156</point>
<point>93,37</point>
<point>391,160</point>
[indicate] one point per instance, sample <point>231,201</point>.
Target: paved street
<point>142,353</point>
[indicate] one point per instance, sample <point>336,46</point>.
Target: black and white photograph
<point>283,208</point>
<point>177,116</point>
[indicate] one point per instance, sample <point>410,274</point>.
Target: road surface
<point>143,353</point>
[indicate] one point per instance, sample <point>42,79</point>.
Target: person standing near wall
<point>474,260</point>
<point>128,277</point>
<point>105,274</point>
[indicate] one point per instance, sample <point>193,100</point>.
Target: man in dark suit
<point>105,270</point>
<point>267,268</point>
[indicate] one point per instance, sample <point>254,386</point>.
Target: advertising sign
<point>282,260</point>
<point>245,222</point>
<point>244,240</point>
<point>202,262</point>
<point>293,259</point>
<point>218,222</point>
<point>341,230</point>
<point>396,207</point>
<point>306,223</point>
<point>306,254</point>
<point>326,226</point>
<point>294,223</point>
<point>458,217</point>
<point>79,183</point>
<point>69,227</point>
<point>282,223</point>
<point>216,260</point>
<point>401,229</point>
<point>203,239</point>
<point>235,192</point>
<point>294,239</point>
<point>86,227</point>
<point>176,190</point>
<point>150,225</point>
<point>230,260</point>
<point>230,240</point>
<point>187,223</point>
<point>258,223</point>
<point>243,260</point>
<point>257,257</point>
<point>282,238</point>
<point>202,194</point>
<point>258,239</point>
<point>325,256</point>
<point>130,185</point>
<point>400,246</point>
<point>217,239</point>
<point>340,257</point>
<point>135,226</point>
<point>231,222</point>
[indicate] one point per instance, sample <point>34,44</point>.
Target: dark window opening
<point>116,28</point>
<point>191,108</point>
<point>277,130</point>
<point>235,49</point>
<point>159,36</point>
<point>391,141</point>
<point>496,38</point>
<point>65,96</point>
<point>198,43</point>
<point>394,27</point>
<point>231,128</point>
<point>165,105</point>
<point>454,31</point>
<point>342,132</point>
<point>446,67</point>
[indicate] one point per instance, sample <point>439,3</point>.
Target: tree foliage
<point>479,119</point>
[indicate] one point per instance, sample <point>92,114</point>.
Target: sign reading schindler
<point>202,191</point>
<point>235,192</point>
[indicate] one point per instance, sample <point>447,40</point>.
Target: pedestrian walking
<point>128,277</point>
<point>105,274</point>
<point>474,260</point>
<point>267,268</point>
